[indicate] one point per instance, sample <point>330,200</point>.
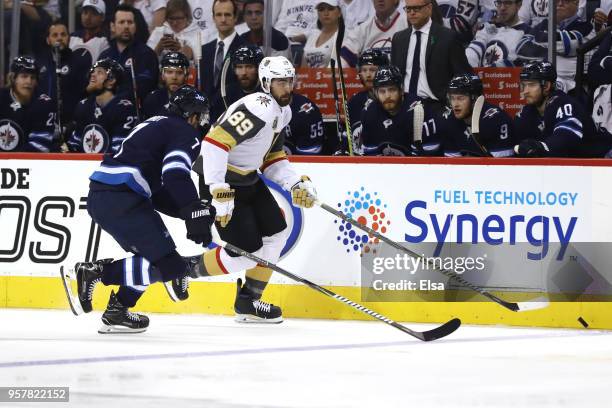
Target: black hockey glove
<point>199,216</point>
<point>531,148</point>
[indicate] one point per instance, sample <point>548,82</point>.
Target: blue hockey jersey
<point>304,134</point>
<point>100,129</point>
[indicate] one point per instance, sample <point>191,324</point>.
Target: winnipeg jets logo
<point>306,108</point>
<point>490,113</point>
<point>495,53</point>
<point>387,123</point>
<point>264,100</point>
<point>539,7</point>
<point>94,139</point>
<point>9,135</point>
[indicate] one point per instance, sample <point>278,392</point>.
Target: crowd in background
<point>126,56</point>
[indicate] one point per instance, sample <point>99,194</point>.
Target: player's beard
<point>284,100</point>
<point>94,89</point>
<point>390,105</point>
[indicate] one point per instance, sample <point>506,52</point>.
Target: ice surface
<point>211,361</point>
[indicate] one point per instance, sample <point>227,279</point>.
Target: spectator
<point>356,12</point>
<point>571,33</point>
<point>533,12</point>
<point>428,54</point>
<point>254,18</point>
<point>26,120</point>
<point>602,17</point>
<point>553,124</point>
<point>375,32</point>
<point>174,68</point>
<point>104,119</point>
<point>201,13</point>
<point>153,11</point>
<point>215,52</point>
<point>320,46</point>
<point>460,16</point>
<point>139,61</point>
<point>494,45</point>
<point>496,137</point>
<point>34,22</point>
<point>73,71</point>
<point>600,66</point>
<point>178,33</point>
<point>296,18</point>
<point>93,36</point>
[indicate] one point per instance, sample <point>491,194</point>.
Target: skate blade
<point>73,300</point>
<point>247,318</point>
<point>116,329</point>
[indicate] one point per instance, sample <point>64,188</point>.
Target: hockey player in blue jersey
<point>150,174</point>
<point>496,136</point>
<point>387,123</point>
<point>27,121</point>
<point>103,120</point>
<point>368,64</point>
<point>304,134</point>
<point>174,68</point>
<point>553,124</point>
<point>244,61</point>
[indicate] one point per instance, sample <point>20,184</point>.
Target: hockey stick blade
<point>429,335</point>
<point>73,300</point>
<point>513,306</point>
<point>476,111</point>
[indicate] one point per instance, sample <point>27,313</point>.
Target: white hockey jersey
<point>459,15</point>
<point>495,46</point>
<point>201,10</point>
<point>297,17</point>
<point>533,12</point>
<point>247,138</point>
<point>356,12</point>
<point>371,34</point>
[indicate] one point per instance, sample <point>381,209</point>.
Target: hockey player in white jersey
<point>245,139</point>
<point>494,45</point>
<point>376,32</point>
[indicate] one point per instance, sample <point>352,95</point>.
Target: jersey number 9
<point>240,122</point>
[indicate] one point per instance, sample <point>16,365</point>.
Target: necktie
<point>218,62</point>
<point>416,65</point>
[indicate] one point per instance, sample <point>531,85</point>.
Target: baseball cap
<point>333,3</point>
<point>98,5</point>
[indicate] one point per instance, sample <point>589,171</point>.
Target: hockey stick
<point>58,92</point>
<point>198,61</point>
<point>514,306</point>
<point>347,119</point>
<point>226,64</point>
<point>135,87</point>
<point>336,101</point>
<point>476,111</point>
<point>429,335</point>
<point>417,126</point>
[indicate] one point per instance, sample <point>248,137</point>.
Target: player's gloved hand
<point>223,201</point>
<point>303,193</point>
<point>199,216</point>
<point>531,148</point>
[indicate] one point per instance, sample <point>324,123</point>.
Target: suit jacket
<point>207,67</point>
<point>444,57</point>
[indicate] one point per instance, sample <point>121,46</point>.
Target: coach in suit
<point>428,54</point>
<point>215,52</point>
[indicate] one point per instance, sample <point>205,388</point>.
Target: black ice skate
<point>251,310</point>
<point>87,275</point>
<point>118,319</point>
<point>177,288</point>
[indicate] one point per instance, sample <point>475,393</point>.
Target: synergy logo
<point>368,209</point>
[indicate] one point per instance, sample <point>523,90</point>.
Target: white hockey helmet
<point>274,67</point>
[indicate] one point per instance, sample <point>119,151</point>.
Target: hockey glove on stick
<point>223,201</point>
<point>199,216</point>
<point>303,193</point>
<point>531,148</point>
